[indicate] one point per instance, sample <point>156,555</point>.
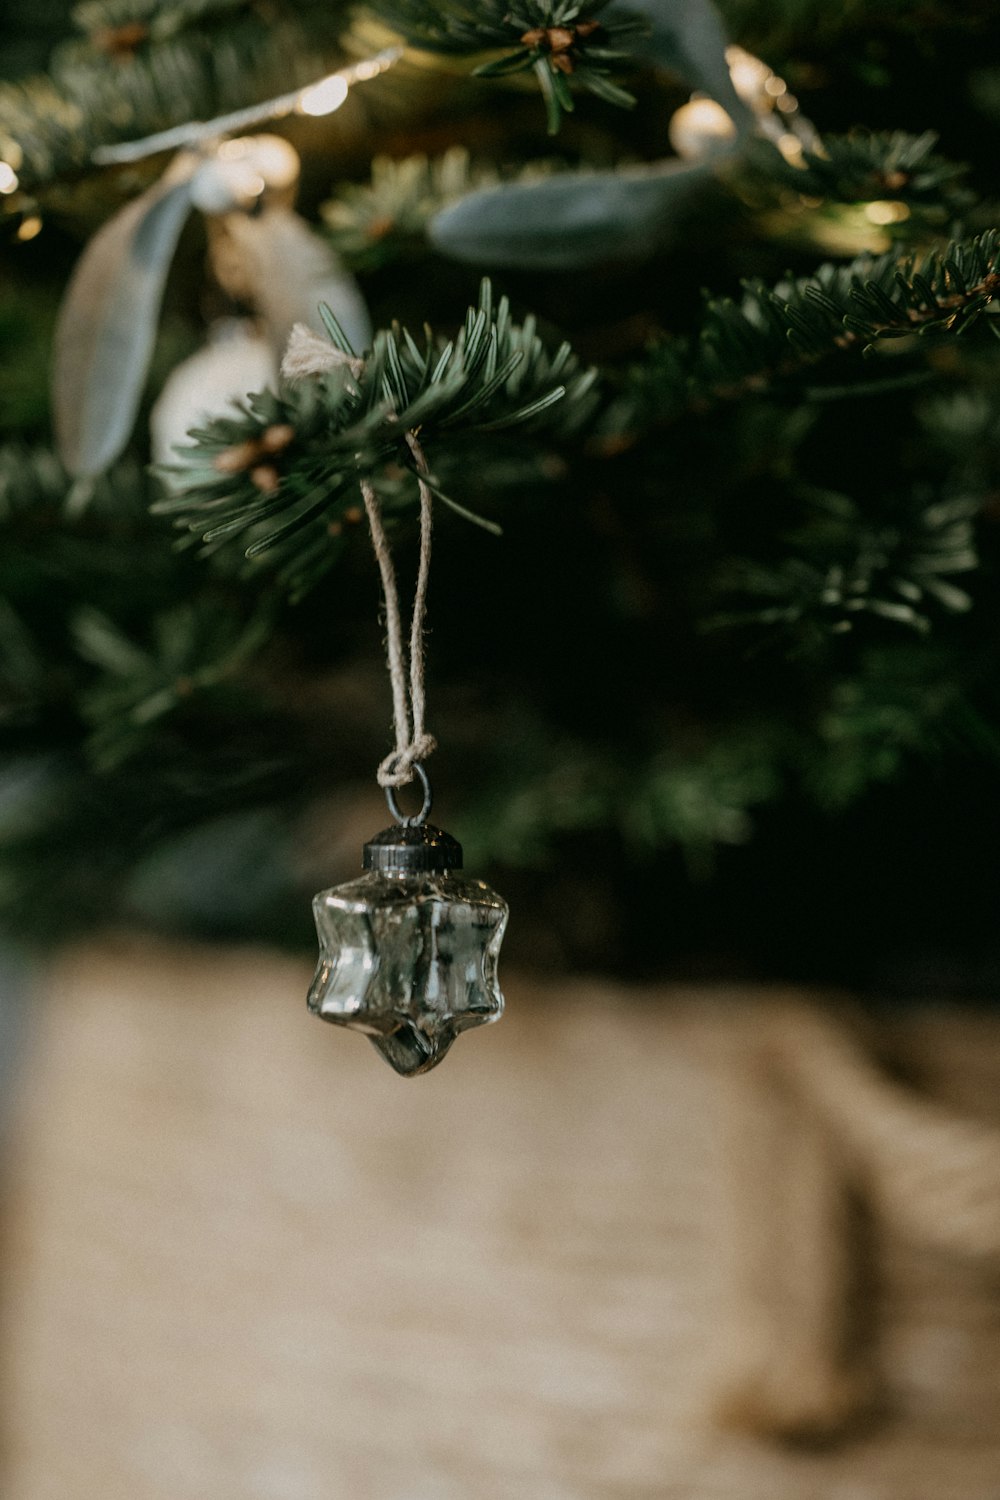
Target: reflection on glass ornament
<point>409,950</point>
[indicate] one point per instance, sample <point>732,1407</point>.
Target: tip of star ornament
<point>411,1051</point>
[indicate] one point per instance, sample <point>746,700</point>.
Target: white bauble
<point>236,359</point>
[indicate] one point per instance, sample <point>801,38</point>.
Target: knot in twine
<point>309,354</point>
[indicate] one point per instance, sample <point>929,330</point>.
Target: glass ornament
<point>409,950</point>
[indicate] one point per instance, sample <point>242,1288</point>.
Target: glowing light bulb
<point>29,228</point>
<point>750,76</point>
<point>791,148</point>
<point>270,156</point>
<point>700,128</point>
<point>324,97</point>
<point>886,211</point>
<point>8,178</point>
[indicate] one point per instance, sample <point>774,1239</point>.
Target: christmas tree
<point>685,315</point>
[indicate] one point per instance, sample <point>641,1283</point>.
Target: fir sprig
<point>196,647</point>
<point>842,566</point>
<point>385,219</point>
<point>125,24</point>
<point>866,166</point>
<point>557,40</point>
<point>283,477</point>
<point>774,335</point>
<point>94,95</point>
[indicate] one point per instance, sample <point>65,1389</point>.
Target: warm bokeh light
<point>887,211</point>
<point>750,76</point>
<point>324,97</point>
<point>273,158</point>
<point>8,178</point>
<point>791,148</point>
<point>700,127</point>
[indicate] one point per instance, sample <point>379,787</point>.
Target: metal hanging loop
<point>419,818</point>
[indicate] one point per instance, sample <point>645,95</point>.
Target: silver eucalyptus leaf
<point>573,220</point>
<point>688,37</point>
<point>107,323</point>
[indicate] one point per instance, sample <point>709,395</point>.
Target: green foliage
<point>870,165</point>
<point>374,223</point>
<point>50,125</point>
<point>493,376</point>
<point>842,565</point>
<point>812,25</point>
<point>557,40</point>
<point>695,799</point>
<point>26,324</point>
<point>807,457</point>
<point>196,647</point>
<point>767,340</point>
<point>149,19</point>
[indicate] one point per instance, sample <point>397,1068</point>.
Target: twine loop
<point>308,354</point>
<point>406,663</point>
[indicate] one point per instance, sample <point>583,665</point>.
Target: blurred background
<point>717,713</point>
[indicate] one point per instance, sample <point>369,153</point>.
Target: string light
<point>750,76</point>
<point>8,178</point>
<point>790,147</point>
<point>700,128</point>
<point>324,97</point>
<point>29,228</point>
<point>273,158</point>
<point>319,98</point>
<point>886,211</point>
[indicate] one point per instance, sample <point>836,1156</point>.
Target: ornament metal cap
<point>412,849</point>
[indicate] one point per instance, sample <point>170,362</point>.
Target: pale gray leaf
<point>107,323</point>
<point>289,270</point>
<point>571,220</point>
<point>688,37</point>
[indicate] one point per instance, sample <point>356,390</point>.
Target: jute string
<point>308,355</point>
<point>406,665</point>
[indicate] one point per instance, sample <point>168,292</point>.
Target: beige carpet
<point>244,1261</point>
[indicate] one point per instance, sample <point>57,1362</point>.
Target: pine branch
<point>902,701</point>
<point>55,540</point>
<point>94,96</point>
<point>775,335</point>
<point>282,479</point>
<point>196,647</point>
<point>117,26</point>
<point>693,798</point>
<point>371,224</point>
<point>802,26</point>
<point>374,223</point>
<point>842,566</point>
<point>557,40</point>
<point>886,167</point>
<point>867,165</point>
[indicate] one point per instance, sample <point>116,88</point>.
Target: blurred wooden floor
<point>243,1261</point>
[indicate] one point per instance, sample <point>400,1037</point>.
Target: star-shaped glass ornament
<point>409,951</point>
